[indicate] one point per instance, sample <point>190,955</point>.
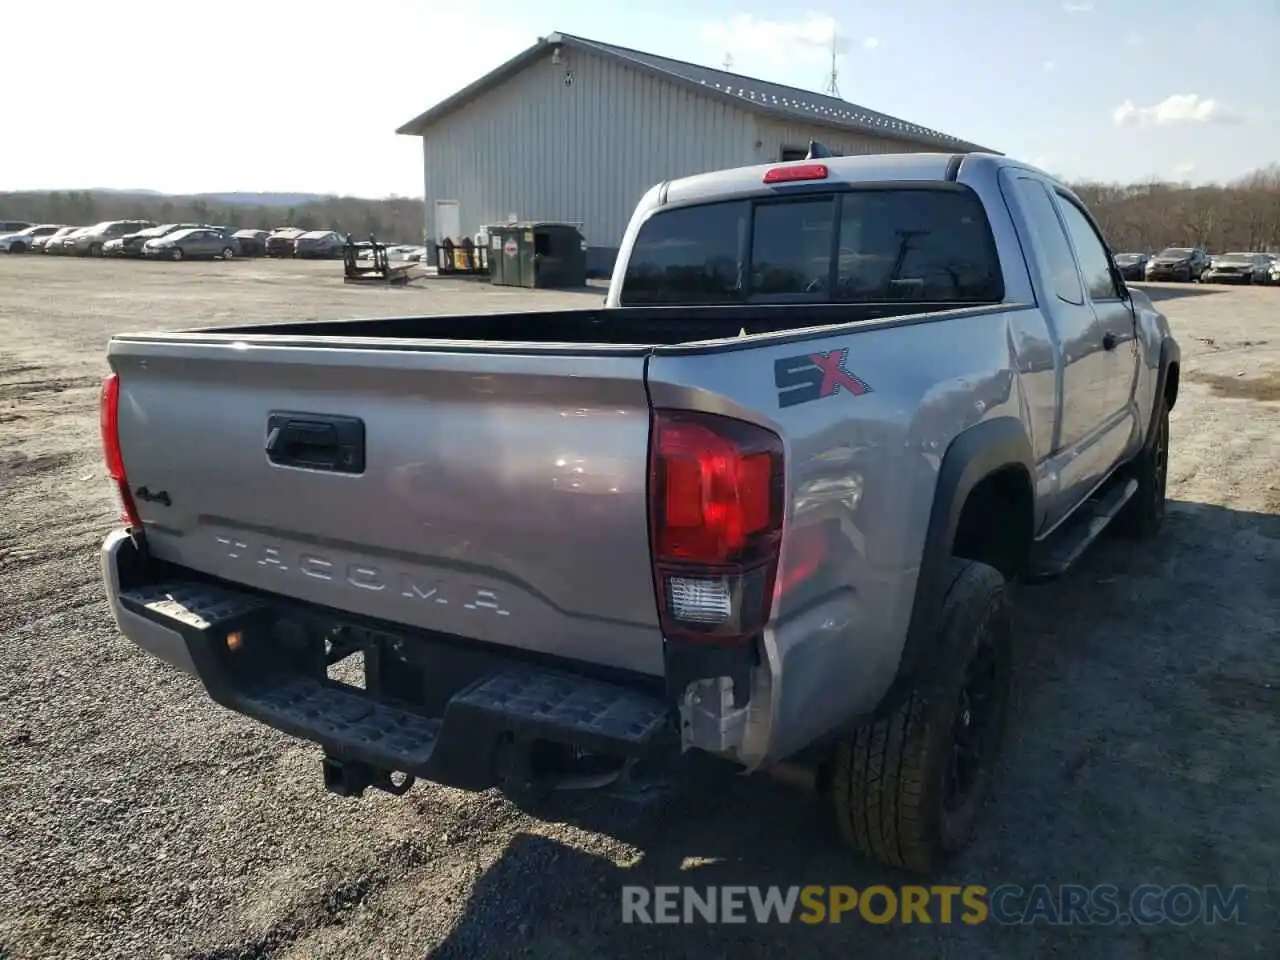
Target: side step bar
<point>514,706</point>
<point>1058,553</point>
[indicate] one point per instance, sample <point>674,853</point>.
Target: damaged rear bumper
<point>430,707</point>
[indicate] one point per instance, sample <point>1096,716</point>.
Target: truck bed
<point>620,327</point>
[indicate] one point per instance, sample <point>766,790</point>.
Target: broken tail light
<point>716,506</point>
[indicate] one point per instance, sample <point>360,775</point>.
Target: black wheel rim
<point>1160,467</point>
<point>976,726</point>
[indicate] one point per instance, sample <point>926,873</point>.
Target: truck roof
<point>857,169</point>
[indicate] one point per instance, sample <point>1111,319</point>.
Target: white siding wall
<point>582,153</point>
<point>773,135</point>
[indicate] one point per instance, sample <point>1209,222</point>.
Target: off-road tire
<point>1142,517</point>
<point>891,775</point>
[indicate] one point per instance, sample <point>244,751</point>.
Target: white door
<point>448,221</point>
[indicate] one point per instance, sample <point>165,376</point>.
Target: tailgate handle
<point>313,441</point>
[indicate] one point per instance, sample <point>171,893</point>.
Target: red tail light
<point>803,171</point>
<point>716,505</point>
<point>111,454</point>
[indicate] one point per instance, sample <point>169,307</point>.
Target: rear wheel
<point>175,253</point>
<point>227,253</point>
<point>95,249</point>
<point>908,787</point>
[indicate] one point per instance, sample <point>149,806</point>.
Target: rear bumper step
<point>274,672</point>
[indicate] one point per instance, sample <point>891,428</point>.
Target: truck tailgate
<point>502,497</point>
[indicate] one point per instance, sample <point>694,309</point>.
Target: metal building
<point>576,130</point>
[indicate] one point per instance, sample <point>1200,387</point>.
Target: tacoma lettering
<point>363,576</point>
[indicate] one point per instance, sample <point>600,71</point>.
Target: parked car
<point>198,243</point>
<point>1132,266</point>
<point>65,244</point>
<point>1187,264</point>
<point>831,465</point>
<point>24,240</point>
<point>281,242</point>
<point>320,245</point>
<point>41,244</point>
<point>253,243</point>
<point>1238,267</point>
<point>91,242</point>
<point>13,226</point>
<point>131,244</point>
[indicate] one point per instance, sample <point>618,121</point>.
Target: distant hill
<point>396,219</point>
<point>266,199</point>
<point>233,198</point>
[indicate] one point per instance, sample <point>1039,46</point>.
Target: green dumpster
<point>537,254</point>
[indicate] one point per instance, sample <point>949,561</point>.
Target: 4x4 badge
<point>146,496</point>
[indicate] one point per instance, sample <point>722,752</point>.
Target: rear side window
<point>689,256</point>
<point>1051,240</point>
<point>921,244</point>
<point>1095,262</point>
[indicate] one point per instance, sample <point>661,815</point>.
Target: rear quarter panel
<point>862,466</point>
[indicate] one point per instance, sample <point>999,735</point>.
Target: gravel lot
<point>138,820</point>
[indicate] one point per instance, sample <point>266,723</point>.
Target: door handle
<point>1108,341</point>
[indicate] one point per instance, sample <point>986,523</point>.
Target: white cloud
<point>749,37</point>
<point>1178,108</point>
<point>1050,66</point>
<point>871,42</point>
<point>1084,7</point>
<point>1183,170</point>
<point>1134,40</point>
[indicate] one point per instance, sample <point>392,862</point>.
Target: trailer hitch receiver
<point>350,778</point>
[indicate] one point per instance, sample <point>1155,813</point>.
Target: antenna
<point>728,61</point>
<point>833,81</point>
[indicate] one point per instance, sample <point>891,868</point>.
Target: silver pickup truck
<point>765,505</point>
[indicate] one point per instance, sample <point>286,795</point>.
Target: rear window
<point>869,245</point>
<point>689,255</point>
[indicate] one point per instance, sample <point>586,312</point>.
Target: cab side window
<point>1095,262</point>
<point>1051,240</point>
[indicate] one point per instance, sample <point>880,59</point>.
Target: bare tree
<point>1243,215</point>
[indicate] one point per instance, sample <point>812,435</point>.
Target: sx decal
<point>815,376</point>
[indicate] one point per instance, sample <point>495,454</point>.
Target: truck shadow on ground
<point>1170,291</point>
<point>1146,704</point>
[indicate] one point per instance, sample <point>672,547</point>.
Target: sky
<point>305,95</point>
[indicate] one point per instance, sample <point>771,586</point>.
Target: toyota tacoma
<point>765,505</point>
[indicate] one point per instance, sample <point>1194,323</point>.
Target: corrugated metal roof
<point>756,95</point>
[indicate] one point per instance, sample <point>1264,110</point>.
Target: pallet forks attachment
<point>378,269</point>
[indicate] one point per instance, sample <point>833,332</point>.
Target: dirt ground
<point>139,820</point>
